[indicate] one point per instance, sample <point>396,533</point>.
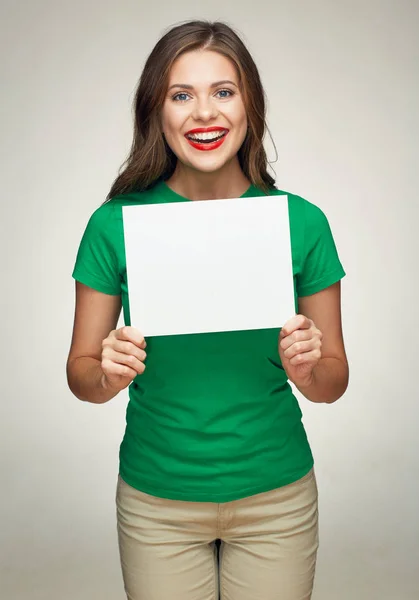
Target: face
<point>203,115</point>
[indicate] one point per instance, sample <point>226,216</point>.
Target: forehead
<point>202,66</point>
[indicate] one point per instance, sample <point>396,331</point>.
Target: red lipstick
<point>205,145</point>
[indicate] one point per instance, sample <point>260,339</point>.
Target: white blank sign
<point>206,266</point>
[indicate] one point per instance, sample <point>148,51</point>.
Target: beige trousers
<point>268,545</point>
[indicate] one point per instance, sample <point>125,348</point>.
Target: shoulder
<point>110,212</point>
<point>103,213</point>
<point>302,212</point>
<point>297,202</point>
<point>112,205</point>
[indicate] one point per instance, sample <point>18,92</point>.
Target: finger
<point>306,358</point>
<point>129,348</point>
<point>301,335</point>
<point>112,369</point>
<point>314,343</point>
<point>131,334</point>
<point>125,359</point>
<point>301,348</point>
<point>297,322</point>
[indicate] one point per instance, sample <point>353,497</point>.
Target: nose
<point>205,109</point>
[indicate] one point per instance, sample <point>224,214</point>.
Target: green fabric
<point>213,417</point>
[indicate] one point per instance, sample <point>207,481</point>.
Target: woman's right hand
<point>123,356</point>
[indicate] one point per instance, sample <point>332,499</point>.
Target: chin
<point>209,166</point>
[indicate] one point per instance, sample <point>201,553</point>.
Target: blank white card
<point>206,266</point>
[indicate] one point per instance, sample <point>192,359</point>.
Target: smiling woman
<point>198,76</point>
<point>205,100</point>
<point>214,446</point>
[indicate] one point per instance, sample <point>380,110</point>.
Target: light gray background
<point>342,81</point>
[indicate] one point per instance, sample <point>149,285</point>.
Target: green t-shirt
<point>213,417</point>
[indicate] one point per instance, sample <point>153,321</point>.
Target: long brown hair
<point>150,158</point>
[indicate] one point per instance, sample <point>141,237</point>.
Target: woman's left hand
<point>300,349</point>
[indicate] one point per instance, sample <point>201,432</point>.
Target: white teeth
<point>202,137</point>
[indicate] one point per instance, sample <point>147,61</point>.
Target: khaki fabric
<point>268,548</point>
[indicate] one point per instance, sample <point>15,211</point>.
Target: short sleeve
<point>321,266</point>
<point>96,263</point>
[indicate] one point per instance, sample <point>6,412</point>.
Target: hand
<point>123,357</point>
<point>300,349</point>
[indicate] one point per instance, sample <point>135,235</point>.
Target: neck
<point>228,182</point>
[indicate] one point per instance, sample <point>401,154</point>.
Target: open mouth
<point>210,138</point>
<point>207,138</point>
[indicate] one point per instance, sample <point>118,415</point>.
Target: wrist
<point>328,381</point>
<point>107,386</point>
<point>306,383</point>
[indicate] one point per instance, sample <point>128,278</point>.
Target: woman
<point>214,447</point>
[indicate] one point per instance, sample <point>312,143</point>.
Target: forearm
<point>329,382</point>
<point>85,380</point>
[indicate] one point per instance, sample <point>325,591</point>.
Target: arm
<point>96,314</point>
<point>312,347</point>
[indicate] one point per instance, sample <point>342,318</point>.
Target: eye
<point>224,93</point>
<point>180,97</point>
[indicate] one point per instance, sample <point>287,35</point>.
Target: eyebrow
<point>186,86</point>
